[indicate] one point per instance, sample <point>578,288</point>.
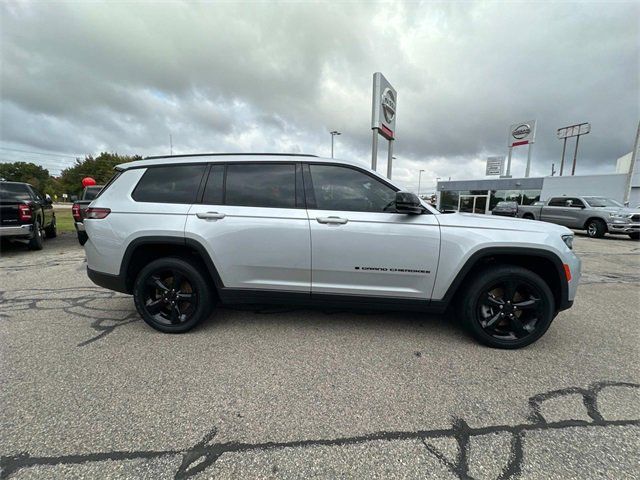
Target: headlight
<point>568,240</point>
<point>616,215</point>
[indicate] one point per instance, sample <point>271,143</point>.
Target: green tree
<point>26,172</point>
<point>99,168</point>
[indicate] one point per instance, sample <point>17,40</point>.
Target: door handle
<point>334,220</point>
<point>210,215</point>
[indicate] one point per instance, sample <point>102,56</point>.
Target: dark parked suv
<point>25,214</point>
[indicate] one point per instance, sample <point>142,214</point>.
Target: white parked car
<point>183,233</point>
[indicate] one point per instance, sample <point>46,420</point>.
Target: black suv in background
<point>25,214</point>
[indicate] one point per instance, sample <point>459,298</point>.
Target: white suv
<point>182,233</point>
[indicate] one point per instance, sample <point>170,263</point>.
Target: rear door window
<point>270,185</point>
<point>558,202</point>
<point>171,184</point>
<point>213,191</point>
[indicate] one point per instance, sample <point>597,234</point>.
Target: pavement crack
<point>207,451</point>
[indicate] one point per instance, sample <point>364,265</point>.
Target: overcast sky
<point>80,78</point>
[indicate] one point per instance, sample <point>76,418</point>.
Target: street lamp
<point>333,134</point>
<point>419,181</point>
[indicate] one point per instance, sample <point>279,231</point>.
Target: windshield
<point>602,202</point>
<point>91,193</point>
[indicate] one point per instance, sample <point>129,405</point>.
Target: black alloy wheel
<point>508,307</point>
<point>172,295</point>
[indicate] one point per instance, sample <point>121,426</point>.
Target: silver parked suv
<point>183,233</point>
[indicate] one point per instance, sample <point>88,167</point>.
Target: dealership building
<point>481,196</point>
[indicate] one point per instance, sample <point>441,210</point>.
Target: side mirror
<point>48,200</point>
<point>407,202</point>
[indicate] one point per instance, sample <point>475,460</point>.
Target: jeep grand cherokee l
<point>183,233</point>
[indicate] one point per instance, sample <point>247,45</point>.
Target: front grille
<point>635,217</point>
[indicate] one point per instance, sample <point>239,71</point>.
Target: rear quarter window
<point>171,184</point>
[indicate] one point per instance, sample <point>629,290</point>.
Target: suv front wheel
<point>172,295</point>
<point>507,307</point>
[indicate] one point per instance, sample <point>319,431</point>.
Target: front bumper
<point>16,231</point>
<point>623,227</point>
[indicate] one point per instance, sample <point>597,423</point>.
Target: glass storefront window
<point>530,196</point>
<point>449,200</point>
<point>521,197</point>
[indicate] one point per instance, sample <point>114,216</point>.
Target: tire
<point>596,228</point>
<point>36,241</point>
<point>52,230</point>
<point>160,305</point>
<point>494,294</point>
<point>634,236</point>
<point>82,237</point>
<point>528,216</point>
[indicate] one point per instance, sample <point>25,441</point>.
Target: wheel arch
<point>143,250</point>
<point>543,262</point>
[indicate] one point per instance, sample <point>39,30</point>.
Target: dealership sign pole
<point>572,131</point>
<point>521,134</point>
<point>383,118</point>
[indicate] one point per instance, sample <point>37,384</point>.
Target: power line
<point>41,153</point>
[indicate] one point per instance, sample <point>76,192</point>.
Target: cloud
<point>83,77</point>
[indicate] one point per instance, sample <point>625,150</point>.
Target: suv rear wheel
<point>507,307</point>
<point>172,295</point>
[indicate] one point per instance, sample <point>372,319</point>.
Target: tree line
<point>69,181</point>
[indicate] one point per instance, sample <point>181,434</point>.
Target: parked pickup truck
<point>25,214</point>
<point>79,209</point>
<point>596,215</point>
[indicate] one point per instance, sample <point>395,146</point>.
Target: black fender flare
<point>169,240</point>
<point>489,252</point>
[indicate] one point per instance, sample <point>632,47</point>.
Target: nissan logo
<point>521,131</point>
<point>388,104</point>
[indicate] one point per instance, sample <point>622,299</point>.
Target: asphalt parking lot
<point>89,391</point>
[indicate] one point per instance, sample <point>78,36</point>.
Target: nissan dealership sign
<point>522,133</point>
<point>383,117</point>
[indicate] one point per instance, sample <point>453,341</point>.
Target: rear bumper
<point>106,280</point>
<point>16,231</point>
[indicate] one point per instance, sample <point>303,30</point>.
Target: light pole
<point>419,180</point>
<point>333,134</point>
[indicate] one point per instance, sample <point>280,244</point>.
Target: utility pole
<point>419,181</point>
<point>170,145</point>
<point>553,169</point>
<point>333,134</point>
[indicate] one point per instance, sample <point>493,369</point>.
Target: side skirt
<point>247,296</point>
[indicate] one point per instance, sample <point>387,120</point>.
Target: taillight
<point>24,211</point>
<point>75,211</point>
<point>97,213</point>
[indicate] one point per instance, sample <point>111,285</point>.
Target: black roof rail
<point>231,154</point>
